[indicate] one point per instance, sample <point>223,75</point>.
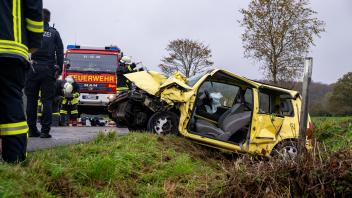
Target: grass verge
<point>138,164</point>
<point>146,165</point>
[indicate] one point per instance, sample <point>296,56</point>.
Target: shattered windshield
<point>194,79</point>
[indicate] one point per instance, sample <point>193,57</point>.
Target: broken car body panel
<point>149,81</point>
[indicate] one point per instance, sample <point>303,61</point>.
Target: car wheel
<point>163,123</point>
<point>287,150</point>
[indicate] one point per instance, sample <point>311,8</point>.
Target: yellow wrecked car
<point>217,108</point>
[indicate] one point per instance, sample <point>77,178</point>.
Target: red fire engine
<point>94,69</point>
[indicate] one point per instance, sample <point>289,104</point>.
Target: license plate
<point>90,97</point>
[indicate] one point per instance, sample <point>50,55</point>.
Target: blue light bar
<point>72,47</point>
<point>113,48</point>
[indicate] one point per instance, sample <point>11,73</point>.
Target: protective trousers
<point>69,107</point>
<point>13,125</point>
<point>69,110</point>
<point>40,109</point>
<point>56,111</point>
<point>40,78</point>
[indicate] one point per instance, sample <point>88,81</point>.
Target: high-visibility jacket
<point>70,105</point>
<point>21,27</point>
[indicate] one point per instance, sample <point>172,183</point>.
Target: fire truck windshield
<point>92,62</point>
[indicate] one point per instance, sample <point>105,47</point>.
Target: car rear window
<point>275,103</point>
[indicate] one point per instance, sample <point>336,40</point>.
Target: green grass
<point>334,132</point>
<point>138,164</point>
<point>146,165</point>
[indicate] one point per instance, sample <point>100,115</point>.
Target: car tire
<point>287,150</point>
<point>165,122</point>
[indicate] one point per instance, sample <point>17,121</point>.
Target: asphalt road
<point>70,135</point>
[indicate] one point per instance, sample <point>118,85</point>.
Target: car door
<point>268,122</point>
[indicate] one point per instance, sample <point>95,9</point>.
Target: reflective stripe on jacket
<point>21,27</point>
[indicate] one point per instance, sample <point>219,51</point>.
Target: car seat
<point>229,123</point>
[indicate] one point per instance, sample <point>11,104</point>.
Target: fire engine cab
<point>94,70</point>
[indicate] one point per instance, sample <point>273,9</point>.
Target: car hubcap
<point>162,125</point>
<point>289,152</point>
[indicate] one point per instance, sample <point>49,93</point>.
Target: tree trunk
<point>274,74</point>
<point>274,70</point>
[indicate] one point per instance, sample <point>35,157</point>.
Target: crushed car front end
<point>133,108</point>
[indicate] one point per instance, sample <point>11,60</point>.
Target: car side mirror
<point>67,63</point>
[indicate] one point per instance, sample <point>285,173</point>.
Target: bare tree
<point>278,34</point>
<point>187,56</point>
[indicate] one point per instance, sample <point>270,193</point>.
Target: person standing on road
<point>21,30</point>
<point>47,65</point>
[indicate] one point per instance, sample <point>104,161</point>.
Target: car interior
<point>223,109</point>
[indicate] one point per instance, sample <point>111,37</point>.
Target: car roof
<point>257,84</point>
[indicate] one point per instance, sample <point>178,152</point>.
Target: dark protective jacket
<point>52,51</point>
<point>21,27</point>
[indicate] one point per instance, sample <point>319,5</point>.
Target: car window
<point>275,103</point>
<point>264,103</point>
<point>248,97</point>
<point>194,79</point>
<point>228,92</point>
<point>286,106</point>
<point>214,95</point>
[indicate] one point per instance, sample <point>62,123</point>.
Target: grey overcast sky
<point>143,28</point>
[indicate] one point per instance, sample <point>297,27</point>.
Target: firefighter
<point>21,30</point>
<point>126,66</point>
<point>43,77</point>
<point>69,106</point>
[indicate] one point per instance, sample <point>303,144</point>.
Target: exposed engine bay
<point>134,108</point>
